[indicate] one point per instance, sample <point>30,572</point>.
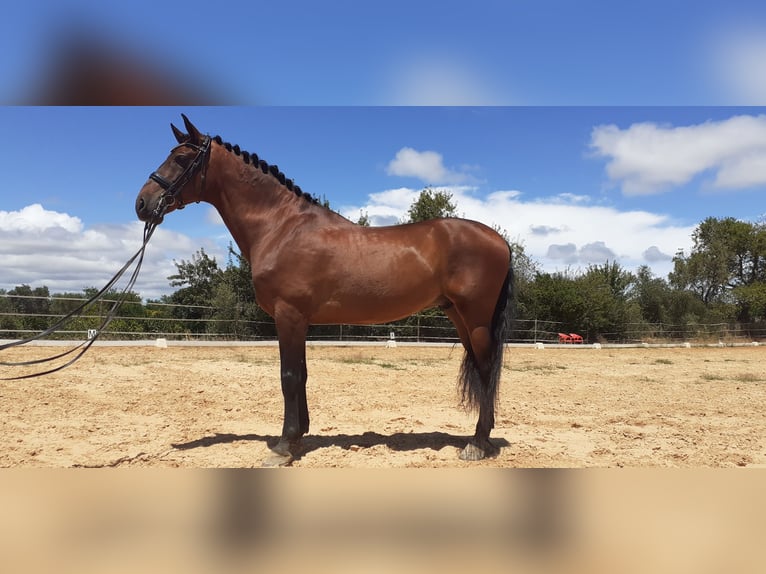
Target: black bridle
<point>171,189</point>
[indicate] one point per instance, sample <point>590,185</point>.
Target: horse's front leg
<point>291,331</point>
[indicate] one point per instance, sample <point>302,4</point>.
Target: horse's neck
<point>254,205</point>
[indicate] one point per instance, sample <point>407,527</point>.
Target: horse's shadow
<point>397,441</point>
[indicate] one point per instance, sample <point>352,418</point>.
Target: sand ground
<point>377,407</point>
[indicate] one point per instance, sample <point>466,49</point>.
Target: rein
<point>167,199</point>
<point>138,258</point>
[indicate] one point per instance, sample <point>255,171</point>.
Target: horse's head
<point>179,180</point>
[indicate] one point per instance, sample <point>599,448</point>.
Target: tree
<point>607,307</point>
<point>652,295</point>
<point>197,279</point>
<point>431,204</point>
<point>197,275</point>
<point>596,303</point>
<point>236,311</point>
<point>728,258</point>
<point>525,269</point>
<point>9,323</point>
<point>34,304</point>
<point>364,219</point>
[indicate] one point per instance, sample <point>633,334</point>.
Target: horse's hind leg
<point>478,370</point>
<point>475,379</point>
<point>291,331</point>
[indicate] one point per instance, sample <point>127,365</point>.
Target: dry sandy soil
<point>380,407</point>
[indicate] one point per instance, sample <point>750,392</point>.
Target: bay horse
<point>310,266</point>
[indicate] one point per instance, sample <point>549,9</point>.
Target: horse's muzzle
<point>147,212</point>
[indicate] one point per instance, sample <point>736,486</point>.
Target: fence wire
<point>25,315</point>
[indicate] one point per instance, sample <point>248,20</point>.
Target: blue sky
<point>347,52</point>
<point>575,185</point>
<point>607,178</point>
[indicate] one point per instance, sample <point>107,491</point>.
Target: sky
<point>575,185</point>
<point>588,130</point>
<point>347,52</point>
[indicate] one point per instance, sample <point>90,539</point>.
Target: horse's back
<point>468,243</point>
<point>449,233</point>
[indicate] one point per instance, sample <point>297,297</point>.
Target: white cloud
<point>567,253</point>
<point>35,218</point>
<point>648,158</point>
<point>385,207</point>
<point>555,233</point>
<point>427,166</point>
<point>746,171</point>
<point>596,252</point>
<point>653,254</point>
<point>39,247</point>
<point>738,62</point>
<point>213,217</point>
<point>439,80</point>
<point>572,198</point>
<point>544,229</point>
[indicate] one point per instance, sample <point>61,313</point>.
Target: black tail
<point>479,387</point>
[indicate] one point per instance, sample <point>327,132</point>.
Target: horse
<point>311,266</point>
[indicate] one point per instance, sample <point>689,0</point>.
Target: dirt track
<point>378,407</point>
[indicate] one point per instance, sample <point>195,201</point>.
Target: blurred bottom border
<point>411,520</point>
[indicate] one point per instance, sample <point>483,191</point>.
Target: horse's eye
<point>182,160</point>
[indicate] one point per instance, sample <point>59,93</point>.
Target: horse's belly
<point>367,308</point>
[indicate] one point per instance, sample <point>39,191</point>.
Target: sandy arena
<point>375,407</point>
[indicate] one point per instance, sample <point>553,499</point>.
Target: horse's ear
<point>194,135</point>
<point>180,136</point>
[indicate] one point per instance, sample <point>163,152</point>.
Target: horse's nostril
<point>141,203</point>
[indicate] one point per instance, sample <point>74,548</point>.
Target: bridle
<point>171,189</point>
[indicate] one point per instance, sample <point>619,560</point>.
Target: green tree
<point>34,304</point>
<point>725,265</point>
<point>431,204</point>
<point>652,295</point>
<point>236,311</point>
<point>607,307</point>
<point>596,303</point>
<point>364,219</point>
<point>555,297</point>
<point>751,299</point>
<point>197,275</point>
<point>197,280</point>
<point>525,269</point>
<point>9,322</point>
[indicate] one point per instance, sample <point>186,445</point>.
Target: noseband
<point>171,189</point>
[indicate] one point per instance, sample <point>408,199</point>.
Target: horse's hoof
<point>281,453</point>
<point>471,452</point>
<point>277,459</point>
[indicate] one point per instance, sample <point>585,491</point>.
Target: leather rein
<point>168,198</point>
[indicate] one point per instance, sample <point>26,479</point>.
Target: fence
<point>25,315</point>
<point>704,332</point>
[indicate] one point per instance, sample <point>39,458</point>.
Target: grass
<point>663,362</point>
<point>748,378</point>
<point>362,360</point>
<point>740,378</point>
<point>532,367</point>
<point>251,360</point>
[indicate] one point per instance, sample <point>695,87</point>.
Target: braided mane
<point>268,169</point>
